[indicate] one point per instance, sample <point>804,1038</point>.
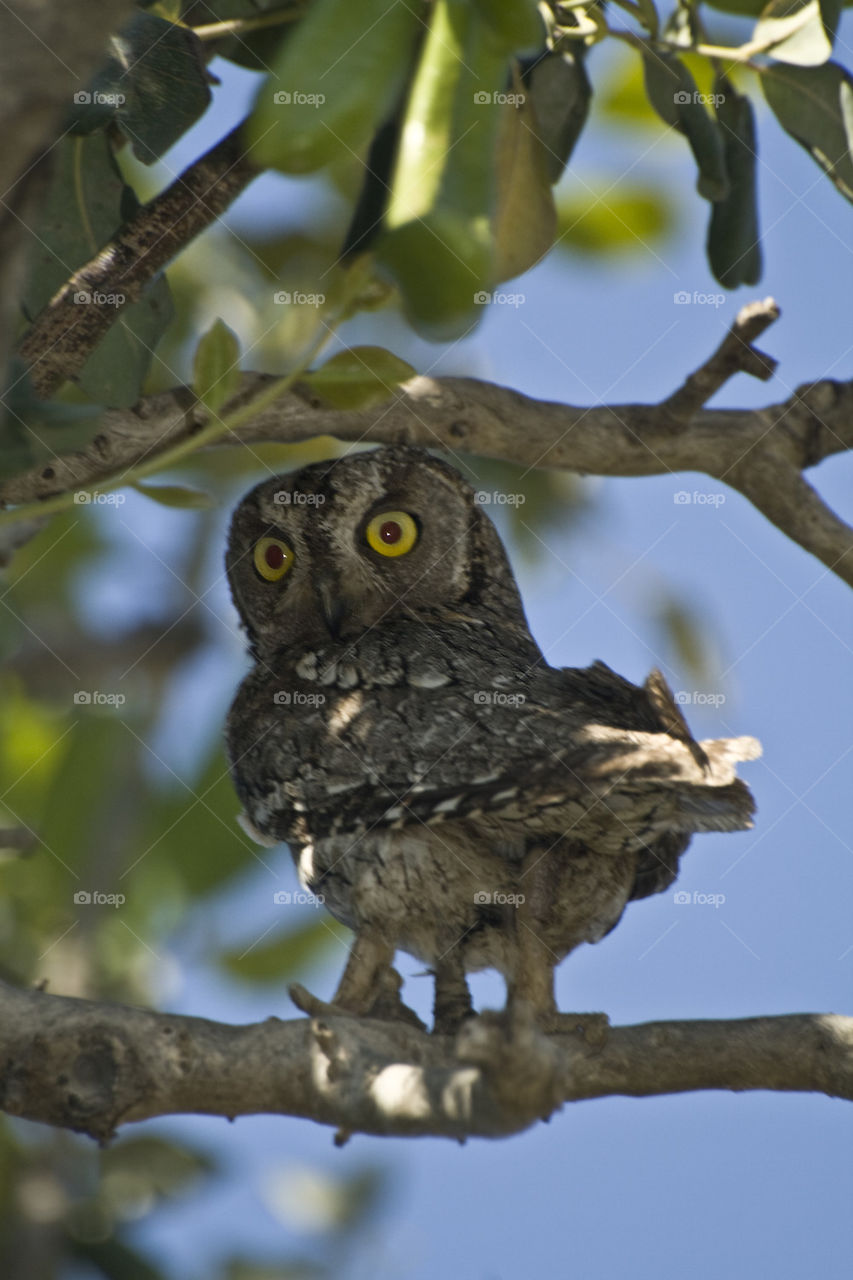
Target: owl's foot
<point>387,1005</point>
<point>452,1005</point>
<point>313,1005</point>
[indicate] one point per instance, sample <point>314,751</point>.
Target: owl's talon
<point>313,1005</point>
<point>388,1006</point>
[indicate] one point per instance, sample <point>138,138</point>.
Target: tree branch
<point>90,1067</point>
<point>64,335</point>
<point>760,452</point>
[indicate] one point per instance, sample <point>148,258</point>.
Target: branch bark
<point>90,1067</point>
<point>761,453</point>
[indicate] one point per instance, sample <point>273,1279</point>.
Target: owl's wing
<point>585,752</point>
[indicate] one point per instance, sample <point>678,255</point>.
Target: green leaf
<point>734,249</point>
<point>815,106</point>
<point>175,495</point>
<point>673,94</point>
<point>560,94</point>
<point>625,219</point>
<point>216,366</point>
<point>358,377</point>
<point>525,219</point>
<point>286,955</point>
<point>335,79</point>
<point>87,200</point>
<point>438,245</point>
<point>796,31</point>
<point>153,86</point>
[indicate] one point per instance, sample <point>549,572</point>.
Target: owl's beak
<point>335,606</point>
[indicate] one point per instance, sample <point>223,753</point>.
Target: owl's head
<point>327,552</point>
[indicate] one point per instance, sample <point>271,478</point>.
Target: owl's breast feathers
<point>399,729</point>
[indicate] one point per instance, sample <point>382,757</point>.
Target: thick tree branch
<point>90,1067</point>
<point>760,452</point>
<point>64,335</point>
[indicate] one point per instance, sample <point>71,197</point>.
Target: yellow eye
<point>273,558</point>
<point>392,533</point>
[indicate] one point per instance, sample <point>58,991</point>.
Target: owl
<point>446,791</point>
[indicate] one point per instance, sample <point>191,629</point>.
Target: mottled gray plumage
<point>447,791</point>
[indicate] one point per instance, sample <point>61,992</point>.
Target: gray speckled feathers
<point>446,790</point>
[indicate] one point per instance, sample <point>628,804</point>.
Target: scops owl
<point>447,791</point>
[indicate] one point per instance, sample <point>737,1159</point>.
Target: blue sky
<point>699,1185</point>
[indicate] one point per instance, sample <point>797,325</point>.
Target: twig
<point>735,354</point>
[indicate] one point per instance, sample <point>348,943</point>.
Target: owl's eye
<point>273,558</point>
<point>392,533</point>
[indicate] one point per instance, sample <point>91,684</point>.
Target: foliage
<point>443,142</point>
